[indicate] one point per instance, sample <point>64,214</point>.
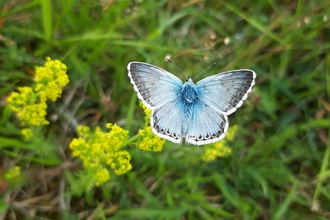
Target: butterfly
<point>197,112</point>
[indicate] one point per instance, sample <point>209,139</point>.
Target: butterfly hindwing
<point>166,121</point>
<point>207,125</point>
<point>154,86</point>
<point>226,91</point>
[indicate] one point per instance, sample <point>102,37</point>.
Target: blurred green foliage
<point>279,167</point>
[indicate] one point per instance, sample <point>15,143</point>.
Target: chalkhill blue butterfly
<point>197,112</point>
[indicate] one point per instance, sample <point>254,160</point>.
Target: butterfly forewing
<point>154,86</point>
<point>226,91</point>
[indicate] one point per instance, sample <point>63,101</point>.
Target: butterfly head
<point>190,80</point>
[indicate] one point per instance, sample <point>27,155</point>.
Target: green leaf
<point>3,206</point>
<point>47,18</point>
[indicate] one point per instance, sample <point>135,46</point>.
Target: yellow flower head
<point>220,149</point>
<point>13,173</point>
<point>24,103</point>
<point>83,131</point>
<point>98,149</point>
<point>120,162</point>
<point>27,133</point>
<point>101,176</point>
<point>18,100</point>
<point>116,137</point>
<point>231,133</point>
<point>51,79</point>
<point>216,150</point>
<point>30,102</point>
<point>34,115</point>
<point>150,141</point>
<point>147,112</point>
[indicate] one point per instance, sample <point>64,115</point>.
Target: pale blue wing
<point>154,86</point>
<point>166,121</point>
<point>207,125</point>
<point>226,91</point>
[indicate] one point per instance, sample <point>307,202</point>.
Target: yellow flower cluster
<point>147,113</point>
<point>50,80</point>
<point>231,133</point>
<point>12,173</point>
<point>24,103</point>
<point>100,149</point>
<point>148,140</point>
<point>30,103</point>
<point>220,149</point>
<point>27,133</point>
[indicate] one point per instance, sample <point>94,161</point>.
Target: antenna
<point>204,70</point>
<point>176,67</point>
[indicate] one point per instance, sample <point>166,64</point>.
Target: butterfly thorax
<point>188,92</point>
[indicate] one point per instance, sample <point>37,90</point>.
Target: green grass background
<point>279,166</point>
